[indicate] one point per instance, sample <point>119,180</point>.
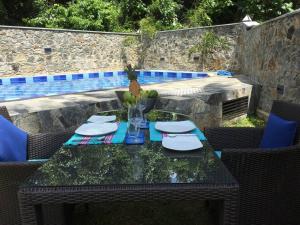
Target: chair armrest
<point>12,174</point>
<point>258,163</point>
<point>234,137</point>
<point>44,145</point>
<point>269,179</point>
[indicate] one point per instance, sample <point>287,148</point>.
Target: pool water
<point>39,86</point>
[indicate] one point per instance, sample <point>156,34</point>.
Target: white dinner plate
<point>175,126</point>
<point>182,143</point>
<point>101,119</point>
<point>93,129</point>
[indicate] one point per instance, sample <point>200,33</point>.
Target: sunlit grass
<point>249,121</point>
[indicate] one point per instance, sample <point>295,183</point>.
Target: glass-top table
<point>120,172</point>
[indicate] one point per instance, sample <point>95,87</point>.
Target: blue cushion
<point>224,73</point>
<point>218,153</point>
<point>278,132</point>
<point>13,142</point>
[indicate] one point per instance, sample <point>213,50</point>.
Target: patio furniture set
<point>250,185</point>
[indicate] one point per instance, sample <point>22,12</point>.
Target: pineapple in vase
<point>134,86</point>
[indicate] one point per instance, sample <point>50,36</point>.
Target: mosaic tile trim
<point>97,75</point>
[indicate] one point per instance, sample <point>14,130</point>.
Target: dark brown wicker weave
<point>40,146</point>
<point>269,179</point>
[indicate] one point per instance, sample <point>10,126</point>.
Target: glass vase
<point>134,120</point>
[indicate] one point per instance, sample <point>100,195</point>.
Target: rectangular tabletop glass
<point>122,164</point>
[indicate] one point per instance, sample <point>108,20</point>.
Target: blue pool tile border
<point>186,75</point>
<point>121,73</point>
<point>99,75</point>
<point>158,74</point>
<point>147,73</point>
<point>202,75</point>
<point>40,79</point>
<point>108,74</point>
<point>18,80</point>
<point>78,76</point>
<point>59,77</point>
<point>171,75</point>
<point>93,75</point>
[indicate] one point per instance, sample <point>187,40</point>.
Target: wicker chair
<point>269,178</point>
<point>40,146</point>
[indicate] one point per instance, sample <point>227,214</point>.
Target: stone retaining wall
<point>33,51</point>
<point>270,55</point>
<point>170,49</point>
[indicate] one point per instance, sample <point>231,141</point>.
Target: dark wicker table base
<point>31,199</point>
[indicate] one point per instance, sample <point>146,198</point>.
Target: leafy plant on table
<point>129,99</point>
<point>134,86</point>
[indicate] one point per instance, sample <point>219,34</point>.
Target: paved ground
<point>188,88</point>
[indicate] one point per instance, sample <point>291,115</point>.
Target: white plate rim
<point>106,119</point>
<point>174,132</point>
<point>99,133</point>
<point>181,150</point>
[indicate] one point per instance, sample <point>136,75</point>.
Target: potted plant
<point>136,94</point>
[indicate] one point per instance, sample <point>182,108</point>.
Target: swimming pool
<point>16,88</point>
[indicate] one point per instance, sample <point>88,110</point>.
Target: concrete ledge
<point>200,98</point>
<point>67,30</point>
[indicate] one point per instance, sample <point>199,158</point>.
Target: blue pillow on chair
<point>13,142</point>
<point>278,133</point>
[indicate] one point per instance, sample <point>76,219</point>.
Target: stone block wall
<point>170,49</point>
<point>32,51</point>
<point>270,55</point>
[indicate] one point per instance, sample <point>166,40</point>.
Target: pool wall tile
<point>5,81</point>
<point>78,76</point>
<point>101,75</point>
<point>18,80</point>
<point>108,74</point>
<point>186,75</point>
<point>29,80</point>
<point>158,74</point>
<point>40,79</point>
<point>147,73</point>
<point>171,75</point>
<point>202,75</point>
<point>85,76</point>
<point>50,78</point>
<point>59,77</point>
<point>121,73</point>
<point>93,75</point>
<point>68,77</point>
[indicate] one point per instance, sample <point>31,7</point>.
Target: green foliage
<point>261,11</point>
<point>131,73</point>
<point>3,12</point>
<point>151,94</point>
<point>84,15</point>
<point>208,45</point>
<point>129,15</point>
<point>131,40</point>
<point>198,17</point>
<point>250,121</point>
<point>129,99</point>
<point>164,12</point>
<point>205,11</point>
<point>148,28</point>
